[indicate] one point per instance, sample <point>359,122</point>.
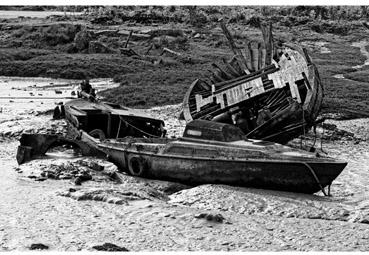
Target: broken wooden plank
<point>233,46</point>
<point>134,35</point>
<point>107,32</point>
<point>247,54</point>
<point>234,63</point>
<point>266,30</point>
<point>262,56</point>
<point>230,69</point>
<point>254,46</point>
<point>225,74</point>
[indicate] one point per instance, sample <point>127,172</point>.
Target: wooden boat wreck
<point>272,93</point>
<point>208,152</point>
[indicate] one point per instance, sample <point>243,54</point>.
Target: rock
<point>38,246</point>
<point>41,179</point>
<point>51,175</point>
<point>210,217</point>
<point>364,221</point>
<point>85,177</point>
<point>78,181</point>
<point>109,247</point>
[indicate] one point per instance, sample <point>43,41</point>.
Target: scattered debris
<point>118,194</point>
<point>38,246</point>
<point>331,132</point>
<point>109,247</point>
<point>211,217</point>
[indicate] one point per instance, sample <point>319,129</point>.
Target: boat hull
<point>268,174</point>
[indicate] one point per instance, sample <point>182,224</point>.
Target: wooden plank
<point>255,55</point>
<point>230,69</point>
<point>247,53</point>
<point>224,72</point>
<point>266,30</point>
<point>234,63</point>
<point>233,46</point>
<point>262,54</point>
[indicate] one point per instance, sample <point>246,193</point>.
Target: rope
<point>315,177</point>
<point>129,124</point>
<point>303,128</point>
<point>120,122</point>
<point>321,140</point>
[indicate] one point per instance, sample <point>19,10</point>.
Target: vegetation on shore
<point>94,44</point>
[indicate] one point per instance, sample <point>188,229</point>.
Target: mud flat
<point>148,215</point>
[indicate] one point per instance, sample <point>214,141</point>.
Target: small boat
<point>211,152</point>
<point>108,120</point>
<point>208,152</point>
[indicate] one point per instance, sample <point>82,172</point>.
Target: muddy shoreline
<point>150,215</point>
<point>44,206</point>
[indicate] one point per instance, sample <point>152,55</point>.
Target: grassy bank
<point>54,47</point>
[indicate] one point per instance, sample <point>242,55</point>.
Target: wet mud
<point>42,203</point>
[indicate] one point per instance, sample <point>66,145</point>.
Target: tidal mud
<point>150,215</point>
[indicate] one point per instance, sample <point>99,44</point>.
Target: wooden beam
<point>254,46</point>
<point>233,46</point>
<point>266,30</point>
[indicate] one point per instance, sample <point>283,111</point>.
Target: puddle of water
<point>20,94</point>
<point>34,14</point>
<point>362,45</point>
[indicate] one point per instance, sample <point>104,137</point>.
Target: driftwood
<point>181,57</point>
<point>134,35</point>
<point>169,32</point>
<point>171,52</point>
<point>107,32</point>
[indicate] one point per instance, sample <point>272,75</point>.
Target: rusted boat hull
<point>267,174</point>
<point>197,159</point>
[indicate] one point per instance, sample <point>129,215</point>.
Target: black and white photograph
<point>150,128</point>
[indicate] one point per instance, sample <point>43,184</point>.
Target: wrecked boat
<point>208,152</point>
<point>271,92</point>
<point>108,120</point>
